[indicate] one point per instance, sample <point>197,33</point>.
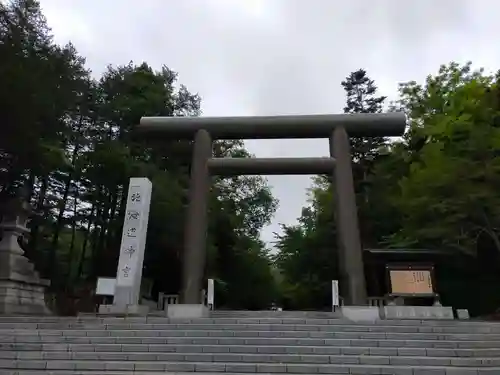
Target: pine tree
<point>361,98</point>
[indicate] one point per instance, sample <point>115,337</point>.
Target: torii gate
<point>337,128</point>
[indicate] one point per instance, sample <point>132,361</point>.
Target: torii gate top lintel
<point>337,128</point>
<point>274,127</point>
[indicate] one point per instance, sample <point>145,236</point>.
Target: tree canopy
<point>435,188</point>
<point>66,137</point>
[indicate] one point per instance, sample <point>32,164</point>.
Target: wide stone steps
<point>152,345</point>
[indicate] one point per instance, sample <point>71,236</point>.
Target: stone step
<point>242,367</point>
<point>250,320</point>
<point>39,351</point>
<point>108,372</point>
<point>238,341</point>
<point>248,326</point>
<point>233,332</point>
<point>291,320</point>
<point>400,360</point>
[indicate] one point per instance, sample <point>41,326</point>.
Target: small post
<point>211,294</point>
<point>335,295</point>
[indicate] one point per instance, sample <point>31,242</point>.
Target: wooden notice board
<point>411,282</point>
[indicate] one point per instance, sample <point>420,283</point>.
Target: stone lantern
<point>22,291</point>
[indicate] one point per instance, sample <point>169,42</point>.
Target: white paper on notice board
<point>105,286</point>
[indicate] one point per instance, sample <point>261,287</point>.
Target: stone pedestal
<point>463,314</point>
<point>360,313</point>
<point>418,312</point>
<point>188,311</point>
<point>114,310</point>
<point>22,291</point>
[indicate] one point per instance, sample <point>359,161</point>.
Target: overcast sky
<point>271,57</point>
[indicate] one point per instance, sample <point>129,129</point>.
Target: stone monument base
<point>418,312</point>
<point>463,314</point>
<point>23,298</point>
<point>374,313</point>
<point>360,313</point>
<point>188,311</point>
<point>138,310</point>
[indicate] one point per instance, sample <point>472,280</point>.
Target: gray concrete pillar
<point>196,221</point>
<point>351,255</point>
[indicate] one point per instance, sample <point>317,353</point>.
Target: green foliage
<point>41,85</point>
<point>449,197</point>
<point>434,188</point>
<point>360,98</point>
<point>307,256</point>
<point>67,137</point>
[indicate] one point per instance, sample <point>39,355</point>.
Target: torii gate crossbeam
<point>337,128</point>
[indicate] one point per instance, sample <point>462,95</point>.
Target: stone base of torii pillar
<point>22,291</point>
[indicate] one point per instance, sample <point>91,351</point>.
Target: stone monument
<point>22,291</point>
<point>129,273</point>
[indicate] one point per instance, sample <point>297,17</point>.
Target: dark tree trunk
<point>81,262</point>
<point>62,205</point>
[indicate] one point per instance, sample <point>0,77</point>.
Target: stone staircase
<point>246,342</point>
